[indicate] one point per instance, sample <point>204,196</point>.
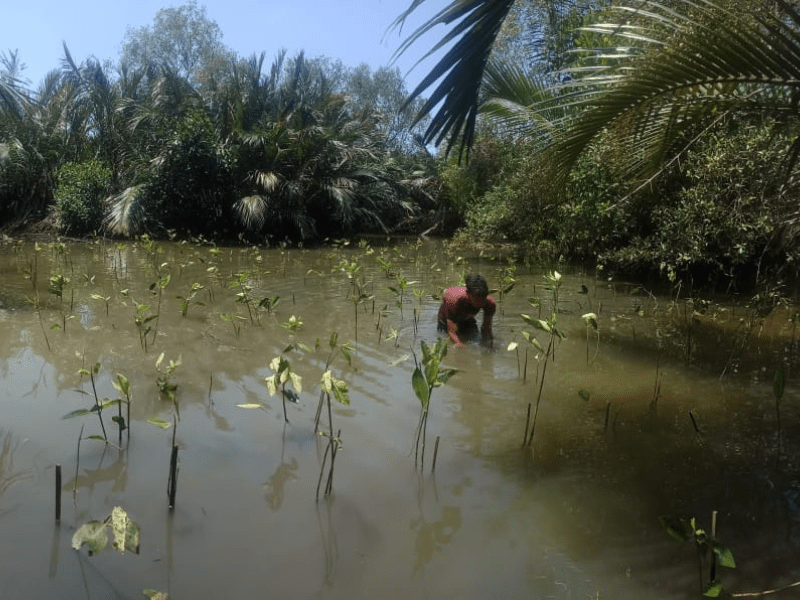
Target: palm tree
<point>683,64</point>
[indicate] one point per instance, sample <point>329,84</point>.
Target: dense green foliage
<point>81,189</point>
<point>196,141</point>
<point>656,135</point>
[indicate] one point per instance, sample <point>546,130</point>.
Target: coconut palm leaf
<point>707,60</point>
<point>126,216</point>
<point>475,25</point>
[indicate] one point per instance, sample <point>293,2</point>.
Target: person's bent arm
<point>452,331</point>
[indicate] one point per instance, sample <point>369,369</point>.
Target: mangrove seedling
<point>590,320</point>
<point>427,375</point>
<point>244,295</point>
<point>331,386</point>
<point>123,386</point>
<point>105,299</point>
<point>402,285</point>
<point>190,298</point>
<point>293,324</point>
<point>708,548</point>
<point>283,374</point>
<point>269,302</point>
<point>142,320</point>
<point>345,350</point>
<point>164,380</point>
<point>553,283</point>
<point>232,319</point>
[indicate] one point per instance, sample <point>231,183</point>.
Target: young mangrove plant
<point>400,290</point>
<point>241,281</point>
<point>345,350</point>
<point>190,298</point>
<point>98,404</point>
<point>590,320</point>
<point>549,326</point>
<point>708,548</point>
<point>428,374</point>
<point>331,386</point>
<point>123,386</point>
<point>233,320</point>
<point>142,319</point>
<point>164,382</point>
<point>281,376</point>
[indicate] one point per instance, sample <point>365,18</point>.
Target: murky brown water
<point>575,519</point>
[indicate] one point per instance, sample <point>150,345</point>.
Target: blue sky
<point>351,30</point>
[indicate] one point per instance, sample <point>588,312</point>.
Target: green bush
<point>80,190</point>
<point>191,189</point>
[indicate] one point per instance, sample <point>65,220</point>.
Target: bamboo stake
<point>58,493</point>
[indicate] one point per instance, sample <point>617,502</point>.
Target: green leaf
<point>159,422</point>
<point>676,528</point>
<point>724,555</point>
<point>420,387</point>
<point>93,534</point>
<point>584,395</point>
<point>714,590</point>
<point>445,375</point>
<point>99,438</point>
<point>122,385</point>
<point>126,531</point>
<point>77,413</point>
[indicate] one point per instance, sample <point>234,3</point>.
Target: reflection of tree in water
<point>432,536</point>
<point>285,473</point>
<point>8,477</point>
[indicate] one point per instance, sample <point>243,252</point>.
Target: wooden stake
<point>172,485</point>
<point>58,493</point>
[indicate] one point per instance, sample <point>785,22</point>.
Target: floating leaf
<point>99,438</point>
<point>126,531</point>
<point>158,422</point>
<point>584,395</point>
<point>512,346</point>
<point>250,405</point>
<point>93,534</point>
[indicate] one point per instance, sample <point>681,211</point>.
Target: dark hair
<point>476,285</point>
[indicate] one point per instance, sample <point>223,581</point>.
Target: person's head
<point>477,286</point>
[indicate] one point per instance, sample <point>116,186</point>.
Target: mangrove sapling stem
<point>58,493</point>
<point>334,450</point>
<point>97,404</point>
<point>694,423</point>
<point>527,424</point>
<point>713,569</point>
<point>77,465</point>
<point>322,468</point>
<point>435,453</point>
<point>541,386</point>
<point>172,482</point>
<point>608,410</point>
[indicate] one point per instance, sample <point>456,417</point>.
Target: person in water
<point>460,305</point>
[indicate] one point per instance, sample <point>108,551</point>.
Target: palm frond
<point>708,59</point>
<point>126,216</point>
<point>252,211</point>
<point>475,26</point>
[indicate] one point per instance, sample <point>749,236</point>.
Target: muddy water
<point>575,516</point>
